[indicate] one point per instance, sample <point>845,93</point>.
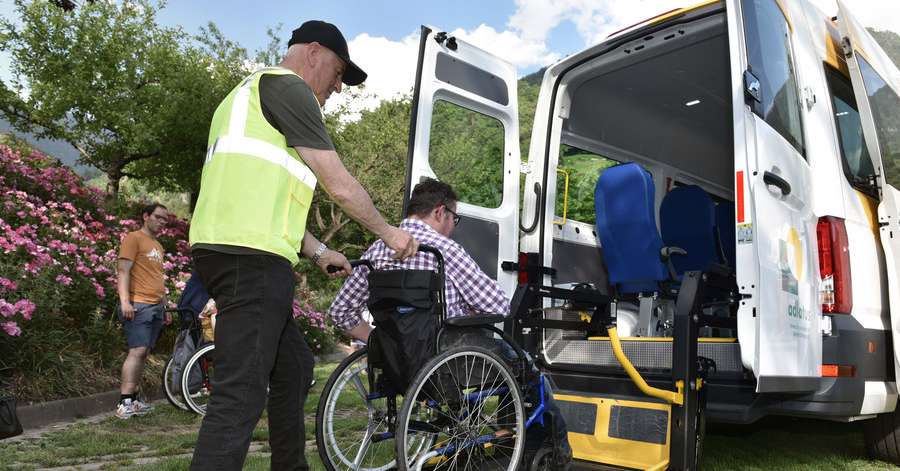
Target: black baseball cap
<point>329,36</point>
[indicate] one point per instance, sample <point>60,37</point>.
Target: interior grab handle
<point>773,179</point>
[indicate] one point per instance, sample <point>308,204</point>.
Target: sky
<point>383,35</point>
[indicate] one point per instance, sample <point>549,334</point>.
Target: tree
<point>109,80</point>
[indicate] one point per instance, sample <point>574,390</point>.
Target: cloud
<point>594,20</point>
<point>391,65</point>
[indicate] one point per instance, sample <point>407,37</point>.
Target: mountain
<point>59,149</point>
<point>890,42</point>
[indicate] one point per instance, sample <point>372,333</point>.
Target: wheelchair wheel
<point>542,460</point>
<point>173,395</point>
<point>352,423</point>
<point>469,406</point>
<point>196,383</point>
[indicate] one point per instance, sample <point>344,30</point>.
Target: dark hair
<point>429,195</point>
<point>148,209</point>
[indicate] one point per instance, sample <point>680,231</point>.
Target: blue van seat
<point>626,226</point>
<point>725,226</point>
<point>687,220</point>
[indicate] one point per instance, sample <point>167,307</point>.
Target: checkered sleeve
<point>346,309</point>
<point>480,293</point>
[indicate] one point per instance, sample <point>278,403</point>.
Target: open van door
<point>876,84</point>
<point>777,257</point>
<point>464,131</point>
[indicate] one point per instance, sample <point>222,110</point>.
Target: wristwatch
<point>319,252</point>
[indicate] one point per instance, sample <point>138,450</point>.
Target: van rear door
<point>464,130</point>
<point>777,251</point>
<point>876,84</point>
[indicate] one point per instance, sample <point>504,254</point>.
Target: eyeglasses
<point>456,217</point>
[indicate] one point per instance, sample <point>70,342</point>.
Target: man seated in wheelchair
<point>404,297</point>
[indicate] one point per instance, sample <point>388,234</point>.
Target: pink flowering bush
<point>58,251</point>
<point>319,335</point>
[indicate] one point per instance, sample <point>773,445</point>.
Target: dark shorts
<point>143,329</point>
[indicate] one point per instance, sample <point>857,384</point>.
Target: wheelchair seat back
<point>407,313</point>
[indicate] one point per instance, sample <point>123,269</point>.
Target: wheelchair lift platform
<point>638,426</point>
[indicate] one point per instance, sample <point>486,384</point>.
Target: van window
<point>886,112</point>
<point>855,156</point>
<point>466,151</point>
<point>584,168</point>
<point>769,55</point>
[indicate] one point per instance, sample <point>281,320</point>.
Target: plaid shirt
<point>469,290</point>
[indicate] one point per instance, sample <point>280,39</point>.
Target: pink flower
<point>8,285</point>
<point>11,328</point>
<point>6,309</point>
<point>64,280</point>
<point>26,308</point>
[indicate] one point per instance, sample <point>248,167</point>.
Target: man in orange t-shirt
<point>142,302</point>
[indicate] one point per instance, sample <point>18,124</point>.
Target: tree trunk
<point>114,175</point>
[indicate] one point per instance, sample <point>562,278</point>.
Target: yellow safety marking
<point>668,339</point>
<point>870,207</point>
<point>787,16</point>
<point>666,16</point>
<point>834,52</point>
<point>599,447</point>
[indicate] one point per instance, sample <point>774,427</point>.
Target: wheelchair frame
<point>482,322</point>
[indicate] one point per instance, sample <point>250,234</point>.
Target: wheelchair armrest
<point>474,321</point>
<point>665,255</point>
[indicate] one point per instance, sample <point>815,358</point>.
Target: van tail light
<point>523,268</point>
<point>838,371</point>
<point>834,266</point>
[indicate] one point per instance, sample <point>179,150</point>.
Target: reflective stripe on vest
<point>262,150</point>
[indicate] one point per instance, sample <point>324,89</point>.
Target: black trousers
<point>258,345</point>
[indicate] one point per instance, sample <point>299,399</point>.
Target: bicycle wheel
<point>195,379</point>
<point>171,390</point>
<point>468,404</point>
<point>352,423</point>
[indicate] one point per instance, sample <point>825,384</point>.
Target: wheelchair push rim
<point>468,403</point>
<point>197,397</point>
<point>346,401</point>
<point>172,395</point>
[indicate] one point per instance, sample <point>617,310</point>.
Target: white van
<point>788,120</point>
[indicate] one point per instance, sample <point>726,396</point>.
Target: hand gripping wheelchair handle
<point>422,248</point>
<point>439,263</point>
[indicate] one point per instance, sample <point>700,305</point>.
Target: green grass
<point>164,440</point>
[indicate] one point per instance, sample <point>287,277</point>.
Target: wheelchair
<point>404,402</point>
<point>186,375</point>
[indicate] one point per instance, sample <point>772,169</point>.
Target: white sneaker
<point>125,409</point>
<point>141,408</point>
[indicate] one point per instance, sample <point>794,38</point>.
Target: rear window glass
<point>886,111</point>
<point>855,156</point>
<point>770,60</point>
<point>583,169</point>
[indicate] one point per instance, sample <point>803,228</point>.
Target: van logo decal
<point>790,255</point>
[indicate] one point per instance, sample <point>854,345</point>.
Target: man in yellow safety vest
<point>267,149</point>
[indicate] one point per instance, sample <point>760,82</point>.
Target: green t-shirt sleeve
<point>290,106</point>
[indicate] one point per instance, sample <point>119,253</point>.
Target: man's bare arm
<point>353,199</point>
<point>123,280</point>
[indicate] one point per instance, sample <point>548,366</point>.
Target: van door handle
<point>773,179</point>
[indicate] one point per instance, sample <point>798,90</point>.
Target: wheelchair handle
<point>439,262</point>
<point>368,264</point>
